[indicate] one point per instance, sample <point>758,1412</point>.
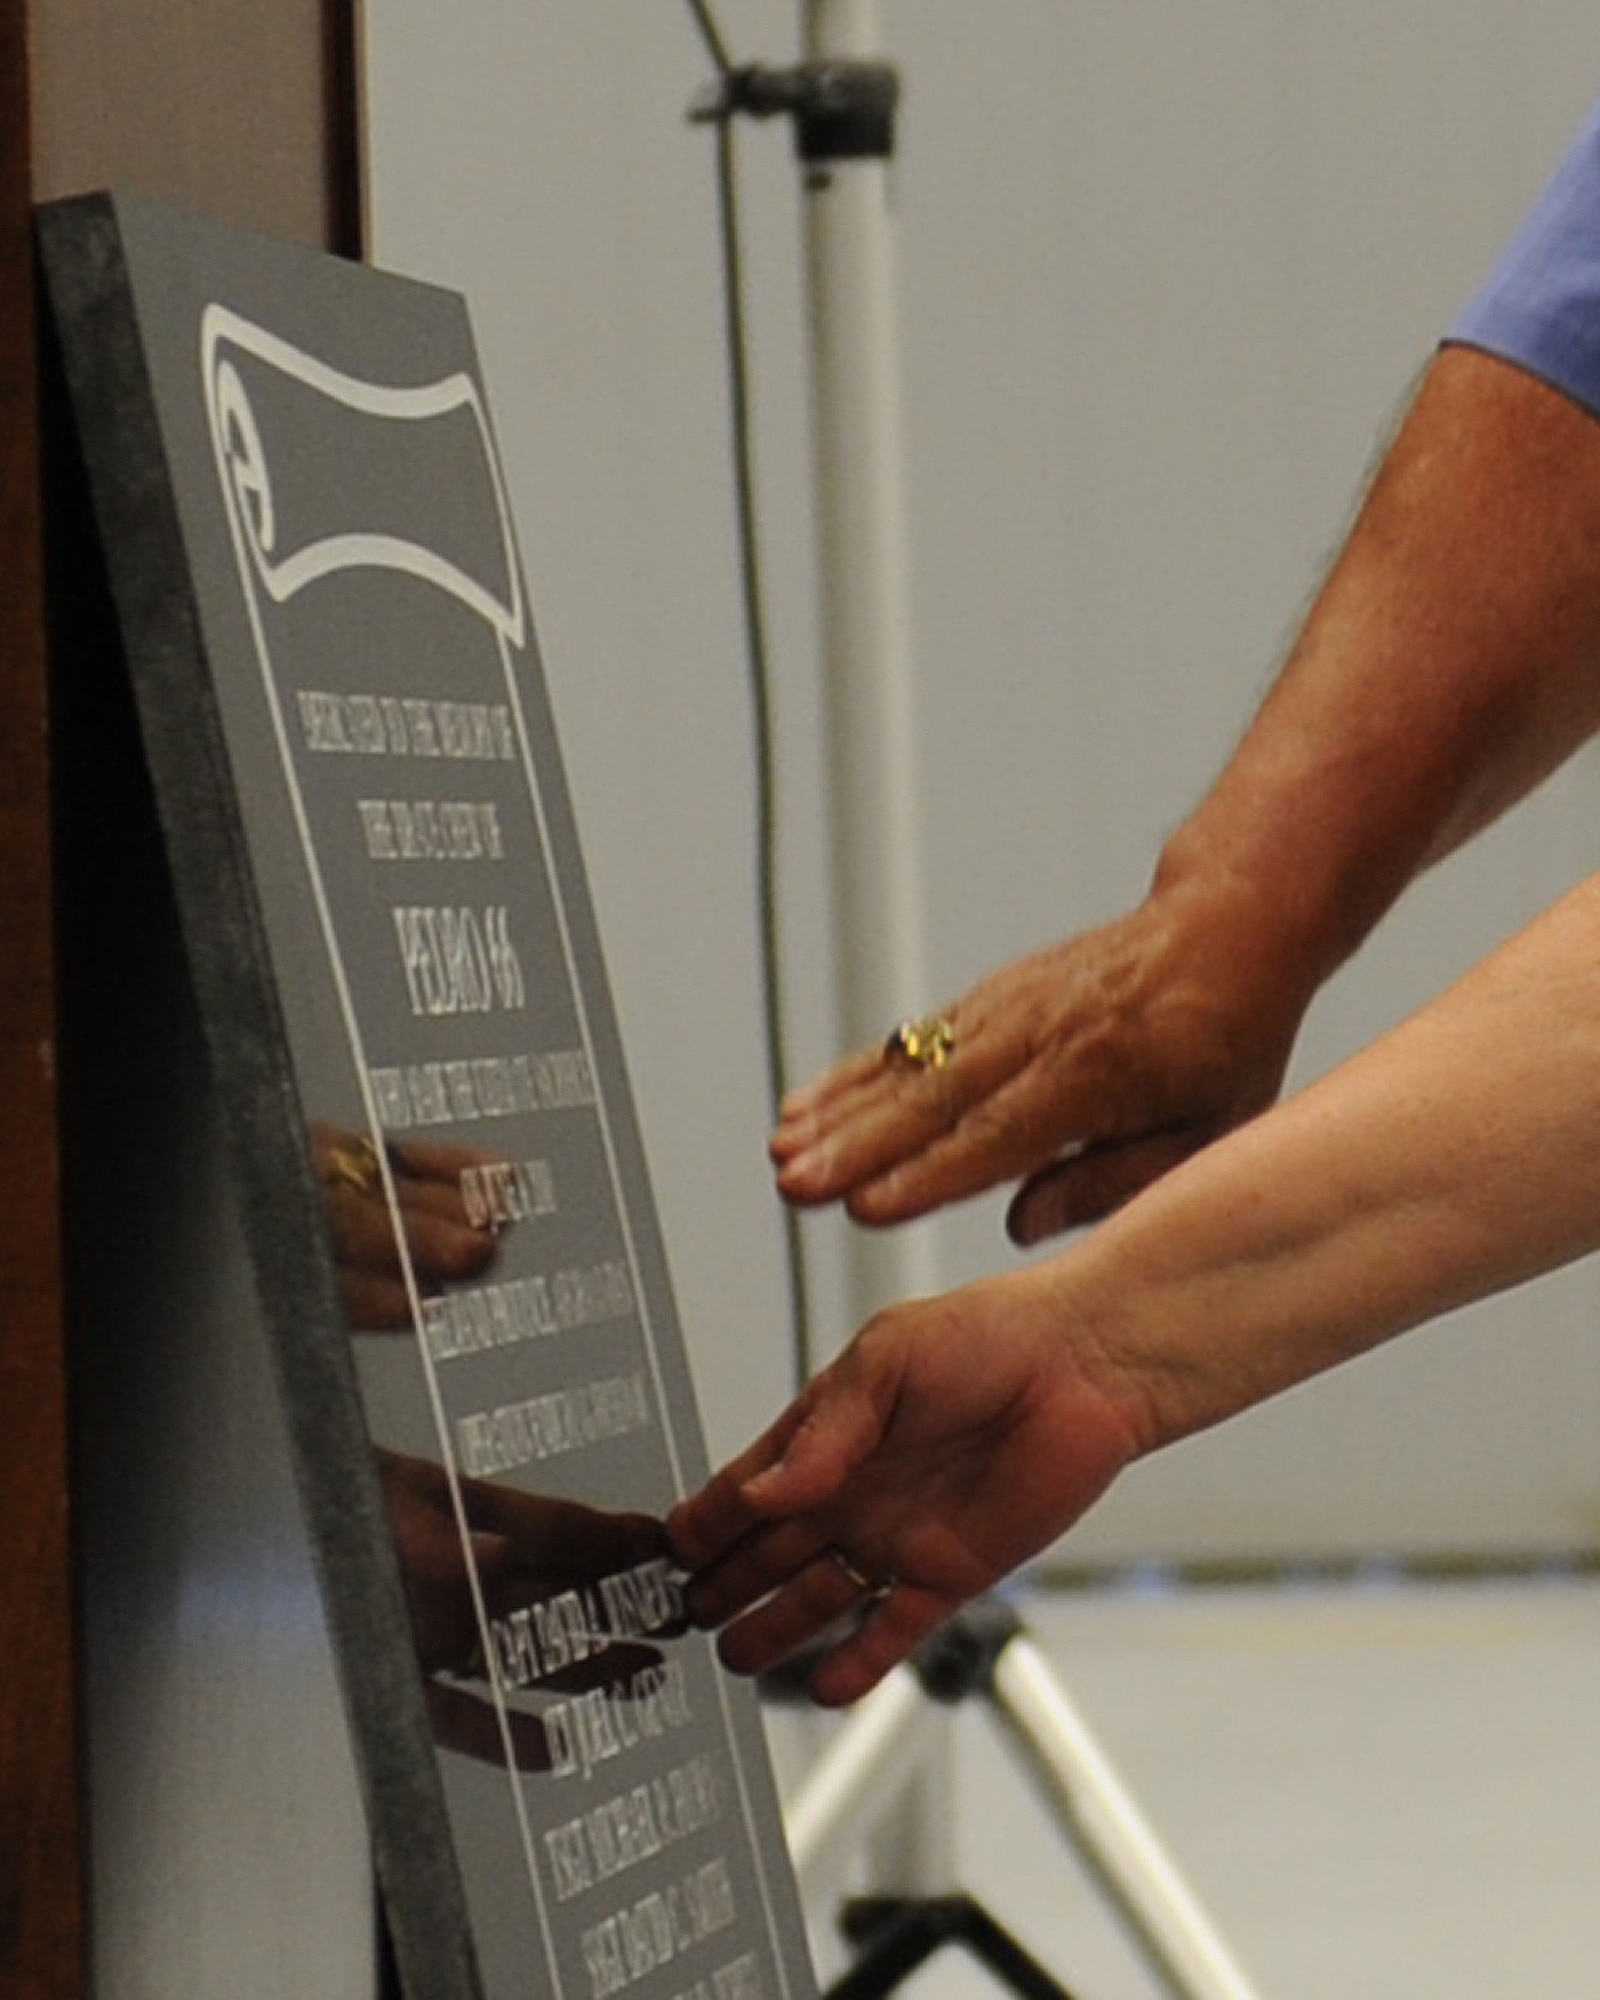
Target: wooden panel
<point>242,111</point>
<point>40,1898</point>
<point>247,112</point>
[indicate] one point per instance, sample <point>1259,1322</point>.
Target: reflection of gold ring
<point>925,1044</point>
<point>354,1163</point>
<point>875,1593</point>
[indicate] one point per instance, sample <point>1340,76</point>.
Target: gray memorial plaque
<point>306,534</point>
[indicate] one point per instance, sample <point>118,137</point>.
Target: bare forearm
<point>1456,1156</point>
<point>1450,662</point>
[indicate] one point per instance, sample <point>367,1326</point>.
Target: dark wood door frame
<point>249,114</point>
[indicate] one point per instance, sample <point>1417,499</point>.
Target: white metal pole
<point>870,689</point>
<point>864,589</point>
<point>870,696</point>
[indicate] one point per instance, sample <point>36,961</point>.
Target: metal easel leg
<point>986,1651</point>
<point>866,1767</point>
<point>1114,1840</point>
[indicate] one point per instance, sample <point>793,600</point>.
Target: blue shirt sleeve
<point>1541,305</point>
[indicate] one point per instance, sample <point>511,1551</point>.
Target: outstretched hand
<point>954,1438</point>
<point>1085,1072</point>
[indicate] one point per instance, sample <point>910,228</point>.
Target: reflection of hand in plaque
<point>533,1558</point>
<point>443,1243</point>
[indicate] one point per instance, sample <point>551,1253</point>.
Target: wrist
<point>1251,914</point>
<point>1094,1348</point>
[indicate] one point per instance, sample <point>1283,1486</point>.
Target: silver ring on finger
<point>873,1589</point>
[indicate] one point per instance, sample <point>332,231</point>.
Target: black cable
<point>757,667</point>
<point>715,45</point>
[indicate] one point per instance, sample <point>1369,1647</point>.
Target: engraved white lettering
<point>586,1730</point>
<point>479,1317</point>
<point>391,726</point>
<point>378,828</point>
<point>421,1094</point>
<point>569,1860</point>
<point>456,962</point>
<point>431,829</point>
<point>555,1633</point>
<point>632,1827</point>
<point>500,1192</point>
<point>548,1426</point>
<point>653,1931</point>
<point>739,1979</point>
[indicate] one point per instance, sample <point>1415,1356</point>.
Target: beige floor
<point>1389,1791</point>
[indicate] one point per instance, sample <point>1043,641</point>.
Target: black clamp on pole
<point>955,1662</point>
<point>960,1658</point>
<point>842,109</point>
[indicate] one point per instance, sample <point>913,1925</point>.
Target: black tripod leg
<point>892,1936</point>
<point>999,1950</point>
<point>896,1934</point>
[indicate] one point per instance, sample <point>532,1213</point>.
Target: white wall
<point>1167,272</point>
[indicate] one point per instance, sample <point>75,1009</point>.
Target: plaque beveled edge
<point>118,436</point>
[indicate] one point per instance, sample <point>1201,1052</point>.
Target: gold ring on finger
<point>927,1043</point>
<point>354,1163</point>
